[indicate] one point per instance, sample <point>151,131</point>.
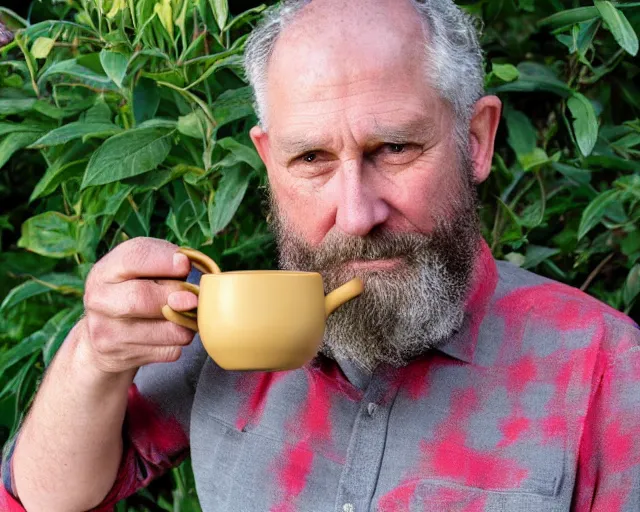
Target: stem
<point>496,227</point>
<point>596,271</point>
<point>543,197</point>
<point>520,194</point>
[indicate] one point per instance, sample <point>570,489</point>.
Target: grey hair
<point>454,63</point>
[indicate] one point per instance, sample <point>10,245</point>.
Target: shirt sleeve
<point>152,444</point>
<point>155,430</point>
<point>608,476</point>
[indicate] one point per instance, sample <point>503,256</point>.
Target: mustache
<point>338,249</point>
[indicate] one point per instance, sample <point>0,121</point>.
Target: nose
<point>360,207</point>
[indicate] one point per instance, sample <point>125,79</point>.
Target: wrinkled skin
<point>366,177</point>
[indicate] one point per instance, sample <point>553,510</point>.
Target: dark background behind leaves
<point>116,124</point>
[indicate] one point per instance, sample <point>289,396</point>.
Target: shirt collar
<point>462,345</point>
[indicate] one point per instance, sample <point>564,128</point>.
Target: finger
<point>167,354</point>
<point>114,338</point>
<point>136,298</point>
<point>142,257</point>
<point>159,333</point>
<point>140,356</point>
<point>182,301</point>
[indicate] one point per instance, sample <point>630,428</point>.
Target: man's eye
<point>310,157</point>
<point>396,148</point>
<point>398,154</point>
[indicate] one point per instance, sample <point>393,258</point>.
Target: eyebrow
<point>414,130</point>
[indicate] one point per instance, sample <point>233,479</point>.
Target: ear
<point>482,133</point>
<point>260,140</point>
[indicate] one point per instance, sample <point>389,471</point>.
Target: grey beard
<point>404,311</point>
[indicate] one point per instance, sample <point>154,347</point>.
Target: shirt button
<point>348,507</point>
<point>371,408</point>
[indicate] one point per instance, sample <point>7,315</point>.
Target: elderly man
<point>453,383</point>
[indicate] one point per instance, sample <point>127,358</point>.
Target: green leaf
<point>253,246</point>
<point>610,162</point>
<point>57,329</point>
<point>50,234</point>
<point>506,72</point>
<point>220,10</point>
<point>79,73</point>
<point>231,59</point>
<point>533,160</point>
<point>575,175</point>
<point>56,112</point>
<point>41,47</point>
<point>13,142</point>
<point>536,254</point>
<point>16,381</point>
<point>57,174</point>
<point>116,7</point>
<point>68,284</point>
<point>241,153</point>
<point>586,34</point>
<point>158,122</point>
<point>128,154</point>
<point>535,77</point>
<point>5,224</point>
<point>48,339</point>
<point>76,130</point>
<point>585,124</point>
<point>98,113</point>
<point>631,288</point>
<point>146,99</point>
<point>114,65</point>
<point>246,16</point>
<point>522,134</point>
<point>630,245</point>
<point>515,258</point>
<point>232,105</point>
<point>23,349</point>
<point>228,197</point>
<point>26,126</point>
<point>173,76</point>
<point>569,17</point>
<point>192,125</point>
<point>11,106</point>
<point>105,199</point>
<point>596,211</point>
<point>619,26</point>
<point>165,15</point>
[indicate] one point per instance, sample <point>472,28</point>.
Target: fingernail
<point>180,260</point>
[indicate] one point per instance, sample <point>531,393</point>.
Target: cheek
<point>427,195</point>
<point>308,212</point>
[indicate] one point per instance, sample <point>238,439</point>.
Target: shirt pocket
<point>443,496</point>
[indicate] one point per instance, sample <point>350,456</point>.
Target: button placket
<point>366,447</point>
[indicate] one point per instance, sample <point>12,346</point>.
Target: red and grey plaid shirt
<point>534,405</point>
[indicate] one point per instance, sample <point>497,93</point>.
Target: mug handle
<point>204,264</point>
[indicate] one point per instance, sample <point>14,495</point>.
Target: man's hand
<point>125,291</point>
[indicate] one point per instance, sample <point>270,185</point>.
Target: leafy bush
<point>120,119</point>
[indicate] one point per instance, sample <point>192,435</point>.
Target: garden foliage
<point>123,118</point>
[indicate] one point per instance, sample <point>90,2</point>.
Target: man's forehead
<point>336,41</point>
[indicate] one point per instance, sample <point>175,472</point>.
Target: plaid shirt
<point>534,405</point>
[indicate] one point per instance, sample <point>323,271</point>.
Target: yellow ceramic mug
<point>260,319</point>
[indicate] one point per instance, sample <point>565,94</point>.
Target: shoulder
<point>549,306</point>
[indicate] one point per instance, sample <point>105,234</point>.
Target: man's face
<point>366,180</point>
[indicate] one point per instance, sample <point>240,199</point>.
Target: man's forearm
<point>70,446</point>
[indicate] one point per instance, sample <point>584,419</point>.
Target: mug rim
<point>292,273</point>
